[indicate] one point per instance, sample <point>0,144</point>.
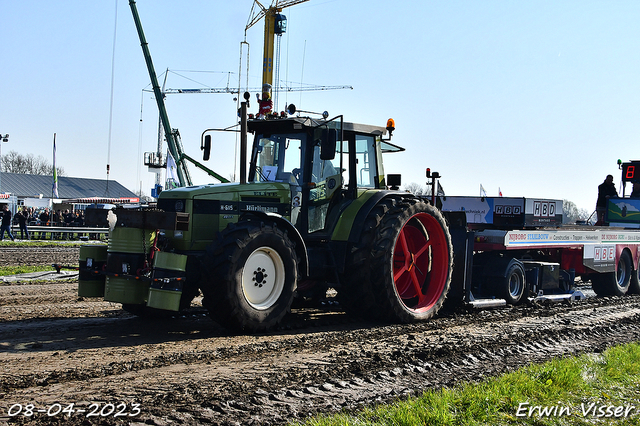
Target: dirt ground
<point>69,360</point>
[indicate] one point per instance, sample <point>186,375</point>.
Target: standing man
<point>44,221</point>
<point>23,218</point>
<point>606,190</point>
<point>6,223</point>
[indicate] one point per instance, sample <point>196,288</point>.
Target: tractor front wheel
<point>252,277</point>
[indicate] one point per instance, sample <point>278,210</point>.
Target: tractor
<point>312,213</point>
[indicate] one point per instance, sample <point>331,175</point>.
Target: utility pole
<point>3,138</point>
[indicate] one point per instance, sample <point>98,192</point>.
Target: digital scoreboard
<point>631,172</point>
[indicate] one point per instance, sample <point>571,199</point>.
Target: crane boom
<point>254,16</point>
<point>256,89</point>
<point>175,148</point>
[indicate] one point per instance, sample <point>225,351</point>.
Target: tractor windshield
<point>277,158</point>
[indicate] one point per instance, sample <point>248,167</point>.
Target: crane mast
<point>274,24</point>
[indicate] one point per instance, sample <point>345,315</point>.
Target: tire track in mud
<point>452,358</point>
<point>192,372</point>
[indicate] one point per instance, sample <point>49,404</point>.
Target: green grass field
<point>13,270</point>
<point>585,390</point>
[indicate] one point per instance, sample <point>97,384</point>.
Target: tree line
<point>14,162</point>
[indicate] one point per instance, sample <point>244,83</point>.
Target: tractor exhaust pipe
<point>243,138</point>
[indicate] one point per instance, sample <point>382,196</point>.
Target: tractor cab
<point>326,163</point>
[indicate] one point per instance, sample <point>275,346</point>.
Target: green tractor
<point>313,213</point>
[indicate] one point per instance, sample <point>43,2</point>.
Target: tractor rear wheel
<point>252,276</point>
<point>410,263</point>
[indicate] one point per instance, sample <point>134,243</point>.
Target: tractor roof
<point>293,124</point>
<point>297,124</point>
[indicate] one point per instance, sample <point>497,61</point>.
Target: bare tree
<point>144,198</point>
<point>28,164</point>
<point>418,189</point>
<point>415,188</point>
<point>571,213</point>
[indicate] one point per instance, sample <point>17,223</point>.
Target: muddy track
<point>38,256</point>
<point>58,349</point>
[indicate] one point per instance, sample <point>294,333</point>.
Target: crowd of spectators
<point>50,217</point>
<point>30,216</point>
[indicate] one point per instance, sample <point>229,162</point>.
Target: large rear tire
<point>356,294</point>
<point>409,265</point>
<point>252,276</point>
<point>614,283</point>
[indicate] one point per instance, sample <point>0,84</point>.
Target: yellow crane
<point>274,24</point>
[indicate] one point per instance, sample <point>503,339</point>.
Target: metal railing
<point>39,232</point>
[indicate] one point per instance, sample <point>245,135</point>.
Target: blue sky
<point>537,98</point>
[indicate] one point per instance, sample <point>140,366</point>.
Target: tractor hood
<point>212,208</point>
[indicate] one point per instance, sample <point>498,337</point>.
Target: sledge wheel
<point>514,284</point>
<point>614,283</point>
<point>634,285</point>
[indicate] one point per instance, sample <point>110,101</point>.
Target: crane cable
<point>139,171</point>
<point>113,67</point>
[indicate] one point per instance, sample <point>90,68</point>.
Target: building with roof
<point>26,187</point>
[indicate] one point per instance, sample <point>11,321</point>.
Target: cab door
<point>325,181</point>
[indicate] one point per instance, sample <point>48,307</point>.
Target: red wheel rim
<point>421,262</point>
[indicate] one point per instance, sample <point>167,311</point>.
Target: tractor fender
<point>357,225</point>
<point>282,222</point>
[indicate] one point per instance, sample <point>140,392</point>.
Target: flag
<point>483,193</point>
<point>172,172</point>
<point>54,189</point>
<point>499,191</point>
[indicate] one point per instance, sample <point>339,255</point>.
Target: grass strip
<point>584,390</point>
<point>13,270</point>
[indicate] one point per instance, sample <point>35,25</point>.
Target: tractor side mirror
<point>394,181</point>
<point>206,147</point>
<point>328,144</point>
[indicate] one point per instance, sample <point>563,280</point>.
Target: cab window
<point>365,161</point>
<point>277,158</point>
